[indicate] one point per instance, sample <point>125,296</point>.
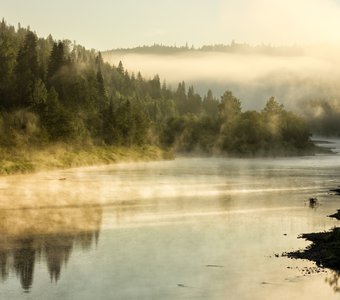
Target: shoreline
<point>325,247</point>
<point>66,157</point>
<point>324,250</point>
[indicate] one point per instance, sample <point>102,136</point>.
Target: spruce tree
<point>56,61</point>
<point>27,69</point>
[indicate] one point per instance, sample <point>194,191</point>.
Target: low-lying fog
<point>294,76</point>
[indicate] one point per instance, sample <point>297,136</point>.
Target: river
<point>200,228</point>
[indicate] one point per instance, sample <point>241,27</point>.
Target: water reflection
<point>333,281</point>
<point>44,235</point>
<point>163,224</point>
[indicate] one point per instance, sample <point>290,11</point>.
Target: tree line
<point>233,47</point>
<point>57,91</point>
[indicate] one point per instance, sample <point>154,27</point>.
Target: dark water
<point>189,228</point>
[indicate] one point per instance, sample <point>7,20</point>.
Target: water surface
<point>206,228</point>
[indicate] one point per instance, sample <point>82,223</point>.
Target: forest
<point>58,92</point>
<point>233,47</point>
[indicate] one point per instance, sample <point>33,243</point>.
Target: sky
<point>108,24</point>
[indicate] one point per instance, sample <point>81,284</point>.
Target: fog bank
<point>309,73</point>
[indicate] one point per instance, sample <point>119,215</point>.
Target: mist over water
<point>193,227</point>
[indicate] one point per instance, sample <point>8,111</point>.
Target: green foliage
<point>27,69</point>
<point>210,105</point>
<point>8,50</point>
<point>271,132</point>
<point>230,107</point>
<point>323,116</point>
<point>56,119</point>
<point>59,92</point>
<point>38,96</point>
<point>273,107</point>
<point>295,131</point>
<point>56,60</point>
<point>19,129</point>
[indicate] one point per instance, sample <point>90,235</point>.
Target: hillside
<point>59,93</point>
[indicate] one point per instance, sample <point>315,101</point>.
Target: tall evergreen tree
<point>27,69</point>
<point>120,68</point>
<point>155,88</point>
<point>102,98</point>
<point>210,105</point>
<point>56,61</point>
<point>181,98</point>
<point>7,63</point>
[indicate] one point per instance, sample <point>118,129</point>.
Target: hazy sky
<point>106,24</point>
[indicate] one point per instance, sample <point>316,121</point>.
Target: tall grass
<point>64,156</point>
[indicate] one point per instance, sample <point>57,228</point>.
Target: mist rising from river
<point>193,227</point>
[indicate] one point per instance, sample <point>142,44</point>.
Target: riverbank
<point>324,250</point>
<point>65,156</point>
<point>325,247</point>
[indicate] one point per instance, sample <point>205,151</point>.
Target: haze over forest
<point>296,75</point>
<point>301,68</point>
<point>177,127</point>
<point>58,92</point>
<point>238,99</point>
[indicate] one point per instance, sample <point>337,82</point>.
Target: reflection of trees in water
<point>23,262</point>
<point>333,281</point>
<point>50,235</point>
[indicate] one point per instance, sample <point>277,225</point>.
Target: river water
<point>200,228</point>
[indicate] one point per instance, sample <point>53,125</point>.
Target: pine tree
<point>181,98</point>
<point>120,68</point>
<point>7,63</point>
<point>155,86</point>
<point>56,61</point>
<point>210,104</point>
<point>101,92</point>
<point>27,69</point>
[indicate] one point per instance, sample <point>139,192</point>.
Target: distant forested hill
<point>231,48</point>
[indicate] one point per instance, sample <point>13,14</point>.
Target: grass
<point>65,156</point>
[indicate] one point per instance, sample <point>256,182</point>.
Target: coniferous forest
<point>59,93</point>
